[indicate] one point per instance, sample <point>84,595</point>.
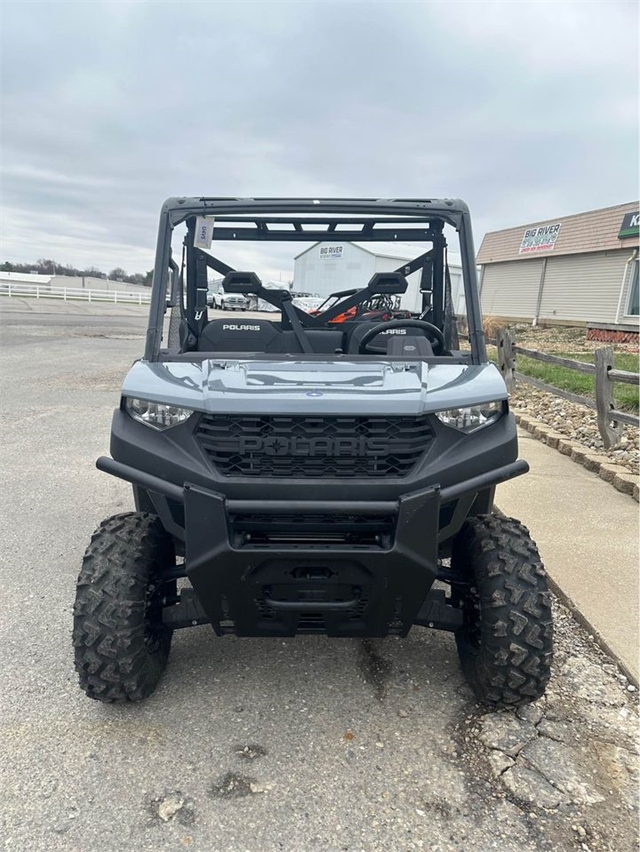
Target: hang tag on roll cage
<point>203,234</point>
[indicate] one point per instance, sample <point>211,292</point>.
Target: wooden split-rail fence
<point>610,419</point>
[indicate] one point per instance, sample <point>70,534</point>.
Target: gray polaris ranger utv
<point>298,473</point>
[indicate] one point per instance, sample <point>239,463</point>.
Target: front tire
<point>121,645</point>
<point>506,642</point>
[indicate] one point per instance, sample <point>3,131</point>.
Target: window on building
<point>633,305</point>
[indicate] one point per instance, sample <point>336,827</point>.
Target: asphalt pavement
<point>250,745</point>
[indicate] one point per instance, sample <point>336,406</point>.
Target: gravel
<point>577,423</point>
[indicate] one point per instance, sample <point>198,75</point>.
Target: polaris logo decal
<point>312,447</point>
<point>233,327</point>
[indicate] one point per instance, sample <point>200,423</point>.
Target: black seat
<point>323,341</point>
<point>385,339</point>
<point>355,333</point>
<point>228,335</point>
<point>409,346</point>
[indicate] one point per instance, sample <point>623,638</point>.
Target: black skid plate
<point>253,585</point>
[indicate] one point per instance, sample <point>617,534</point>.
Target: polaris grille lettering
<point>300,446</point>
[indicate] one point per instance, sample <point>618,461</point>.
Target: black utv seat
<point>258,335</point>
<point>323,341</point>
<point>390,341</point>
<point>355,332</point>
<point>240,336</point>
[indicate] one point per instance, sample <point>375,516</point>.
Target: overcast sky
<point>527,110</point>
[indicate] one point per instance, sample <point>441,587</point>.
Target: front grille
<point>322,447</point>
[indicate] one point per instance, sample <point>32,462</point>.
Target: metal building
<point>325,268</point>
<point>571,270</point>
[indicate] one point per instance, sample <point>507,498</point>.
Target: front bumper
<point>283,589</point>
<point>177,493</point>
<point>273,587</point>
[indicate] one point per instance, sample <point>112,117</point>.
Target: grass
<point>626,396</point>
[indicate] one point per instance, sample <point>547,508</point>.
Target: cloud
<point>527,110</point>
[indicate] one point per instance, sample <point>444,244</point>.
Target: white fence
<point>44,291</point>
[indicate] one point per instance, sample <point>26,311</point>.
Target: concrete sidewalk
<point>587,533</point>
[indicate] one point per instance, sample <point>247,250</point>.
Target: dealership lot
<point>250,745</point>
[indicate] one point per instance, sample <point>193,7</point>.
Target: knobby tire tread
<point>116,656</point>
<point>507,655</point>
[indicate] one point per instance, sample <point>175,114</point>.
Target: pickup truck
<point>227,301</point>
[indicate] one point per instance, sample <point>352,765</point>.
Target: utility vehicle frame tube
<point>159,286</point>
<point>472,295</point>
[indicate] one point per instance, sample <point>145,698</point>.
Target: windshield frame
<point>424,217</point>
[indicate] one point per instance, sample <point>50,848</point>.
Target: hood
<point>302,387</point>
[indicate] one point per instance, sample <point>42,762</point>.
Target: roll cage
<point>310,220</point>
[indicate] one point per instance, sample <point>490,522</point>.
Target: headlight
<point>472,418</point>
<point>156,414</point>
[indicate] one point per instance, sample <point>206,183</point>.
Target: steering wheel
<point>428,328</point>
